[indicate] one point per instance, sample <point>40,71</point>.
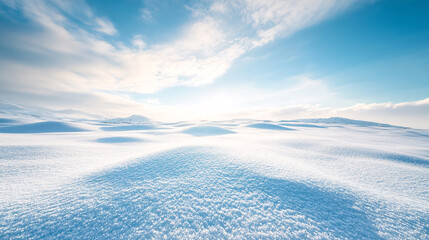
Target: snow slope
<point>318,181</point>
<point>129,127</point>
<point>118,140</point>
<point>201,131</point>
<point>41,127</point>
<point>268,126</point>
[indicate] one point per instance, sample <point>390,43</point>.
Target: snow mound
<point>183,125</point>
<point>201,131</point>
<point>134,119</point>
<point>41,127</point>
<point>118,140</point>
<point>7,121</point>
<point>129,127</point>
<point>268,126</point>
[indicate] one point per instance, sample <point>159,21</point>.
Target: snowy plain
<point>242,179</point>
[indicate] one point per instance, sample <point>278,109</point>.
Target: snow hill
<point>27,114</point>
<point>201,131</point>
<point>41,127</point>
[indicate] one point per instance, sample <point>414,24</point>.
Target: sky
<point>186,60</point>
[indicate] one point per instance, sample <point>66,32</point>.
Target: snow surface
<point>129,127</point>
<point>118,140</point>
<point>201,131</point>
<point>127,180</point>
<point>268,126</point>
<point>41,127</point>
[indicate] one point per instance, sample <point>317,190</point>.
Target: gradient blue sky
<point>176,60</point>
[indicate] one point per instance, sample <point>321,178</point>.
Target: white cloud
<point>204,51</point>
<point>72,59</point>
<point>219,7</point>
<point>147,14</point>
<point>272,18</point>
<point>105,26</point>
<point>152,101</point>
<point>138,42</point>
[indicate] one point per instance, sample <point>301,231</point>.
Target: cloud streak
<point>203,52</point>
<point>105,26</point>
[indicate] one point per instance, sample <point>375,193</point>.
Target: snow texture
<point>243,180</point>
<point>40,127</point>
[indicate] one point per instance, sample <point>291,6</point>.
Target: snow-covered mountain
<point>25,114</point>
<point>343,121</point>
<point>32,113</point>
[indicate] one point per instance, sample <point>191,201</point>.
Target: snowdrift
<point>268,126</point>
<point>7,121</point>
<point>41,127</point>
<point>201,131</point>
<point>118,140</point>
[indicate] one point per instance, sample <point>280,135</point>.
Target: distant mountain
<point>31,114</point>
<point>38,113</point>
<point>344,121</point>
<point>75,114</point>
<point>18,112</point>
<point>134,119</point>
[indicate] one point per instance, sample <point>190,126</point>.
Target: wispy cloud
<point>71,57</point>
<point>105,26</point>
<point>138,42</point>
<point>272,19</point>
<point>147,15</point>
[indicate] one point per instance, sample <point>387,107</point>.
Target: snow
<point>129,127</point>
<point>268,126</point>
<point>201,131</point>
<point>6,121</point>
<point>345,121</point>
<point>41,127</point>
<point>156,180</point>
<point>301,125</point>
<point>133,119</point>
<point>118,140</point>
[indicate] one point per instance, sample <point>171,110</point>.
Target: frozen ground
<point>318,179</point>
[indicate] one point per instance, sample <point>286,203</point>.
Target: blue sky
<point>175,60</point>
